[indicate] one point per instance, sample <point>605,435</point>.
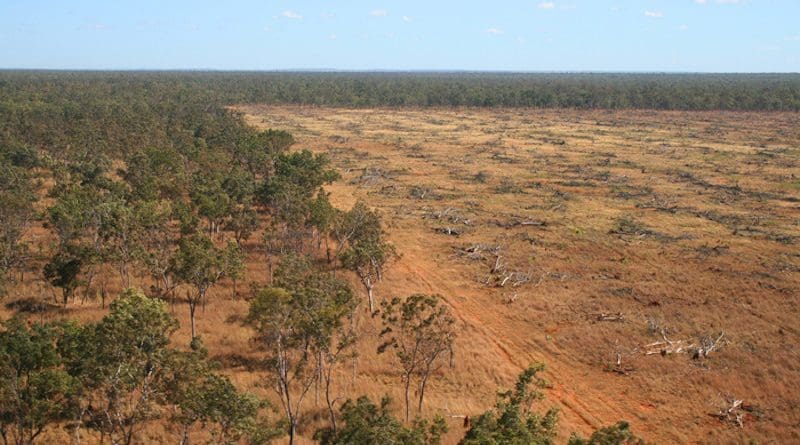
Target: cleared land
<point>575,238</point>
<point>580,239</point>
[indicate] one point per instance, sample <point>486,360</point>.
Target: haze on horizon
<point>577,35</point>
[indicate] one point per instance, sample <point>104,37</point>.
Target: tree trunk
<point>369,287</point>
<point>185,437</point>
<point>292,431</point>
<point>408,384</point>
<point>422,383</point>
<point>318,377</point>
<point>328,251</point>
<point>328,397</point>
<point>192,307</point>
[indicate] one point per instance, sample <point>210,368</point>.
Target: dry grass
<point>686,223</point>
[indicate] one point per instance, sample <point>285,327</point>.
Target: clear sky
<point>514,35</point>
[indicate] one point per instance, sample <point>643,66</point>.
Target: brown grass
<point>683,222</point>
<point>714,201</point>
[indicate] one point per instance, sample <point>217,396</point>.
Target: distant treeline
<point>763,92</point>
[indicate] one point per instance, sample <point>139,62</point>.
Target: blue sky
<point>576,35</point>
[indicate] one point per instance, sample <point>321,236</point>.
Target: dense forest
<point>767,92</point>
<point>148,188</point>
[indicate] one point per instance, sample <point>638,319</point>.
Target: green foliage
<point>359,223</point>
<point>64,270</point>
<point>17,196</point>
<point>242,218</point>
<point>201,395</point>
<point>362,246</point>
<point>512,422</point>
<point>156,239</point>
<point>35,391</point>
<point>290,191</point>
<point>256,151</point>
<point>155,173</point>
<point>209,198</point>
<point>617,434</point>
<point>130,375</point>
<point>294,323</point>
<point>322,213</point>
<point>199,263</point>
<point>420,331</point>
<point>73,216</point>
<point>123,362</point>
<point>369,424</point>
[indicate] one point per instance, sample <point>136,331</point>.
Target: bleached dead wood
<point>452,231</point>
<point>698,351</point>
<point>476,251</point>
<point>602,316</point>
<point>733,413</point>
<point>518,223</point>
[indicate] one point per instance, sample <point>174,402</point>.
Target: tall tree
<point>124,363</point>
<point>321,219</point>
<point>243,219</point>
<point>202,395</point>
<point>295,321</point>
<point>289,192</point>
<point>257,151</point>
<point>199,263</point>
<point>17,196</point>
<point>155,174</point>
<point>35,391</point>
<point>64,269</point>
<point>420,331</point>
<point>359,223</point>
<point>362,246</point>
<point>210,199</point>
<point>157,242</point>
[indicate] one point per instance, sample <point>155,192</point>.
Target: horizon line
<point>382,70</point>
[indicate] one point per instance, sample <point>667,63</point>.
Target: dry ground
<point>613,231</point>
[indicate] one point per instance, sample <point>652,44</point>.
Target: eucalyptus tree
<point>256,151</point>
<point>123,363</point>
<point>366,423</point>
<point>242,218</point>
<point>364,249</point>
<point>121,236</point>
<point>35,390</point>
<point>322,216</point>
<point>200,264</point>
<point>158,242</point>
<point>155,174</point>
<point>295,322</point>
<point>17,196</point>
<point>420,330</point>
<point>201,395</point>
<point>209,198</point>
<point>512,421</point>
<point>63,271</point>
<point>290,192</point>
<point>358,223</point>
<point>80,205</point>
